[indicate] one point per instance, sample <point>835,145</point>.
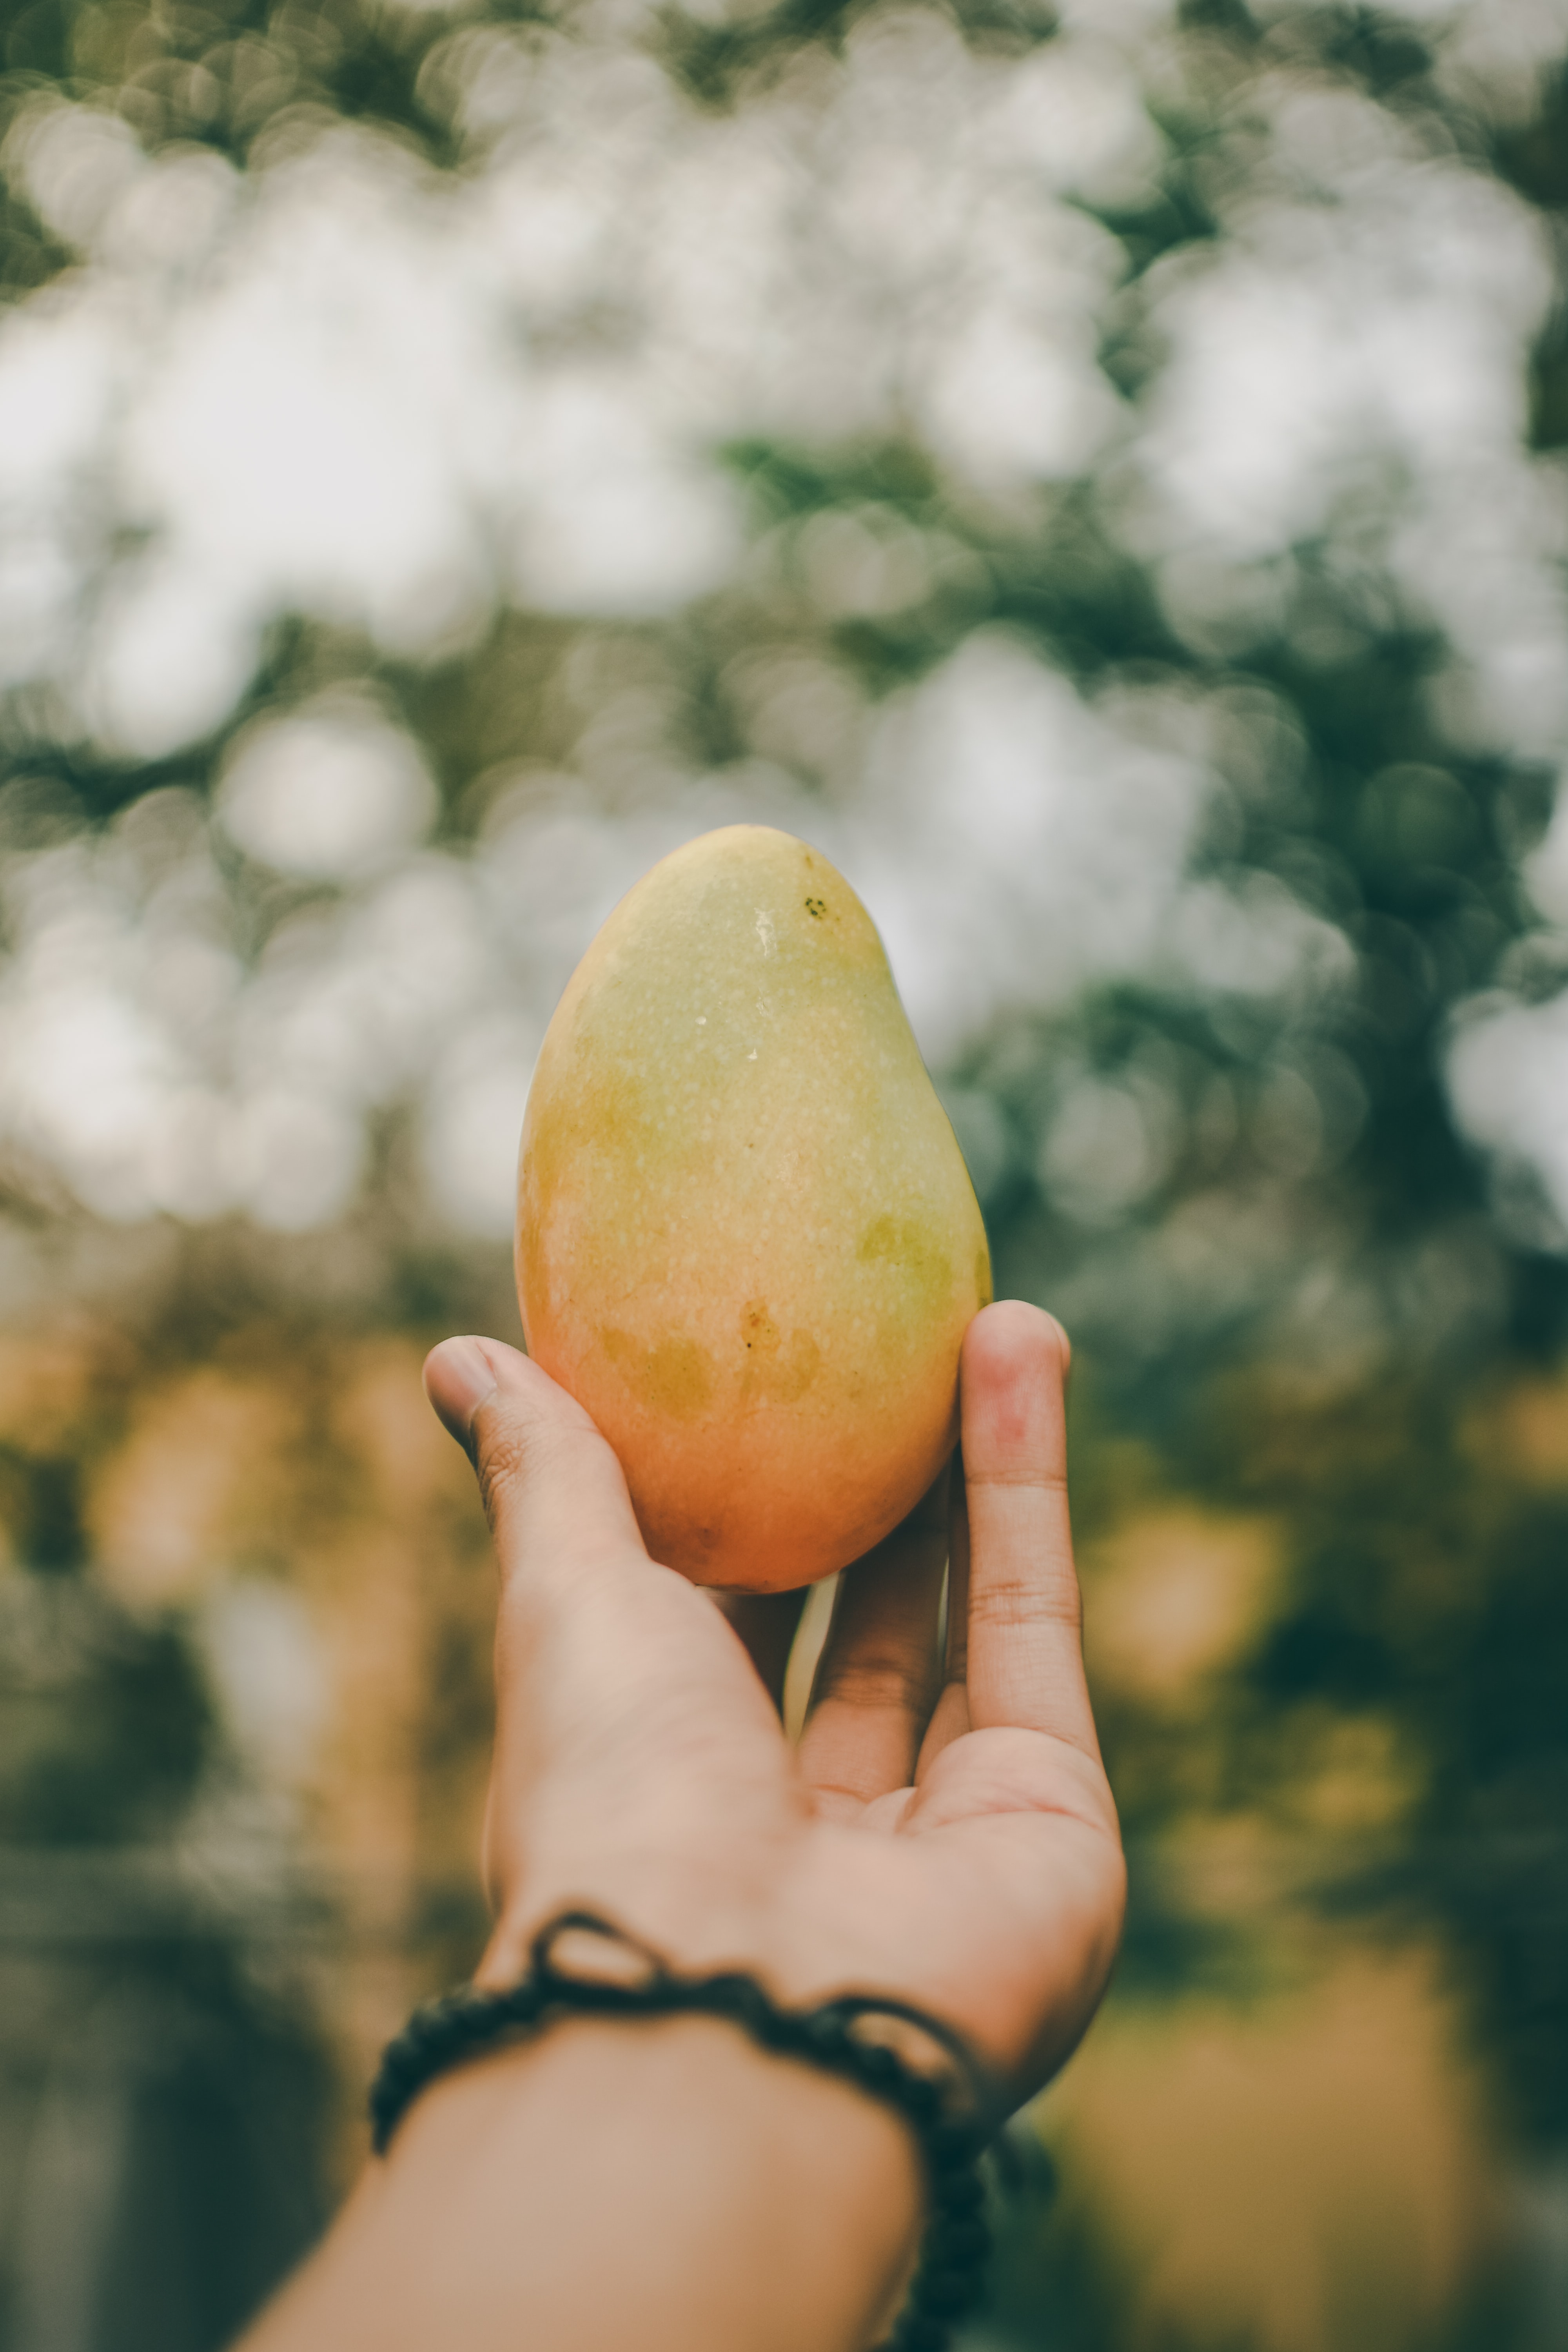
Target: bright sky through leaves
<point>344,386</point>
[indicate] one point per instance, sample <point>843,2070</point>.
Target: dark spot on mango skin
<point>816,908</point>
<point>914,1292</point>
<point>758,1328</point>
<point>675,1377</point>
<point>776,1371</point>
<point>532,1266</point>
<point>607,1109</point>
<point>982,1291</point>
<point>595,1120</point>
<point>899,1242</point>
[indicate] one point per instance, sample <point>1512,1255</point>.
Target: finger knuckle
<point>1027,1477</point>
<point>1014,1603</point>
<point>517,1450</point>
<point>885,1680</point>
<point>503,1460</point>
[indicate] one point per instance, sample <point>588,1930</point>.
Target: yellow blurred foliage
<point>192,1488</point>
<point>1171,1594</point>
<point>1315,2175</point>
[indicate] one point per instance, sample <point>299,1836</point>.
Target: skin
<point>943,1832</point>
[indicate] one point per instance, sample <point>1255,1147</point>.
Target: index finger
<point>1025,1643</point>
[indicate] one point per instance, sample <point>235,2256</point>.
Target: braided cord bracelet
<point>948,2113</point>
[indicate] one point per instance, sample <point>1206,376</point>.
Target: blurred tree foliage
<point>1323,1307</point>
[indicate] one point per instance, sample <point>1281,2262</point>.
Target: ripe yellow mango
<point>747,1242</point>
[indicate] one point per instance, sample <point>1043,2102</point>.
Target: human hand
<point>944,1832</point>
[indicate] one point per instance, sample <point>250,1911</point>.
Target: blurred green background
<point>1099,474</point>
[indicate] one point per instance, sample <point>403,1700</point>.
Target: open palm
<point>943,1831</point>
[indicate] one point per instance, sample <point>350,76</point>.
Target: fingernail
<point>466,1380</point>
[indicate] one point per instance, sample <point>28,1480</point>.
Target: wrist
<point>723,2182</point>
<point>661,2182</point>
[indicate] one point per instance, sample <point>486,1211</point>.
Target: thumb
<point>551,1488</point>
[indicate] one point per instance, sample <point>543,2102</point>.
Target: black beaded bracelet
<point>952,2115</point>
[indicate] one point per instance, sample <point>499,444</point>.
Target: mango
<point>747,1241</point>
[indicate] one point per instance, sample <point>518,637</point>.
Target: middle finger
<point>877,1679</point>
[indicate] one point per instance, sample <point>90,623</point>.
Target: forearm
<point>662,2183</point>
